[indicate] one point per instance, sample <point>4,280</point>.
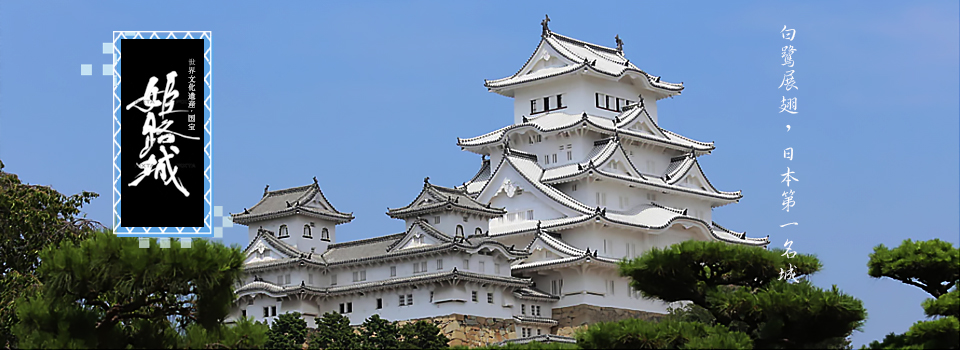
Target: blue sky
<point>371,98</point>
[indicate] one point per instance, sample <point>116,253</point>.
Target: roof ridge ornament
<point>315,180</point>
<point>525,119</point>
<point>545,23</point>
<point>265,189</point>
<point>619,44</point>
<point>426,180</point>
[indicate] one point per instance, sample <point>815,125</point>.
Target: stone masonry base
<point>571,318</point>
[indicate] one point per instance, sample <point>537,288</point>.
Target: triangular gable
<point>619,163</point>
<point>694,178</point>
<point>316,201</point>
<point>264,248</point>
<point>418,235</point>
<point>638,120</point>
<point>541,252</point>
<point>616,161</point>
<point>506,170</point>
<point>545,57</point>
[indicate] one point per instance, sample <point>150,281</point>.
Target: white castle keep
<point>583,178</point>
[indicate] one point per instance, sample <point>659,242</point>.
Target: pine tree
<point>378,333</point>
<point>31,218</point>
<point>334,332</point>
<point>742,290</point>
<point>934,267</point>
<point>422,335</point>
<point>289,331</point>
<point>107,292</point>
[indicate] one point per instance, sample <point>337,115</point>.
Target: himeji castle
<point>526,249</point>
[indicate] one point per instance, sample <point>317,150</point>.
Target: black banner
<point>162,138</point>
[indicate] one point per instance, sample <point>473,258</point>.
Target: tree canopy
<point>741,288</point>
<point>934,267</point>
<point>106,292</point>
<point>31,218</point>
<point>289,331</point>
<point>334,332</point>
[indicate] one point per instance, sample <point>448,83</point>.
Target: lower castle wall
<point>471,331</point>
<point>476,331</point>
<point>572,318</point>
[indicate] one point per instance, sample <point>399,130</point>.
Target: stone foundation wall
<point>471,330</point>
<point>572,318</point>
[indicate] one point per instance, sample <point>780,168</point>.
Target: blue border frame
<point>207,230</point>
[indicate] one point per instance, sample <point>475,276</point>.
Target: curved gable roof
<point>306,200</point>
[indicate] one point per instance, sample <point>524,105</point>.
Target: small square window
<point>379,303</point>
<point>403,300</point>
<point>243,313</point>
<point>266,311</point>
<point>436,219</point>
<point>473,296</point>
<point>333,279</point>
<point>439,264</point>
<point>431,296</point>
<point>273,311</point>
<point>409,299</point>
<point>489,298</point>
<point>393,271</point>
<point>496,268</point>
<point>569,155</point>
<point>523,309</point>
<point>554,157</point>
<point>466,264</point>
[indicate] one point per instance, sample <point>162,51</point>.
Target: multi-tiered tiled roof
<point>587,57</point>
<point>435,198</point>
<point>304,200</point>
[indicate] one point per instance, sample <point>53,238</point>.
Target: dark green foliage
<point>31,218</point>
<point>527,346</point>
<point>946,305</point>
<point>740,288</point>
<point>108,292</point>
<point>334,332</point>
<point>666,334</point>
<point>422,335</point>
<point>289,331</point>
<point>244,334</point>
<point>933,266</point>
<point>378,333</point>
